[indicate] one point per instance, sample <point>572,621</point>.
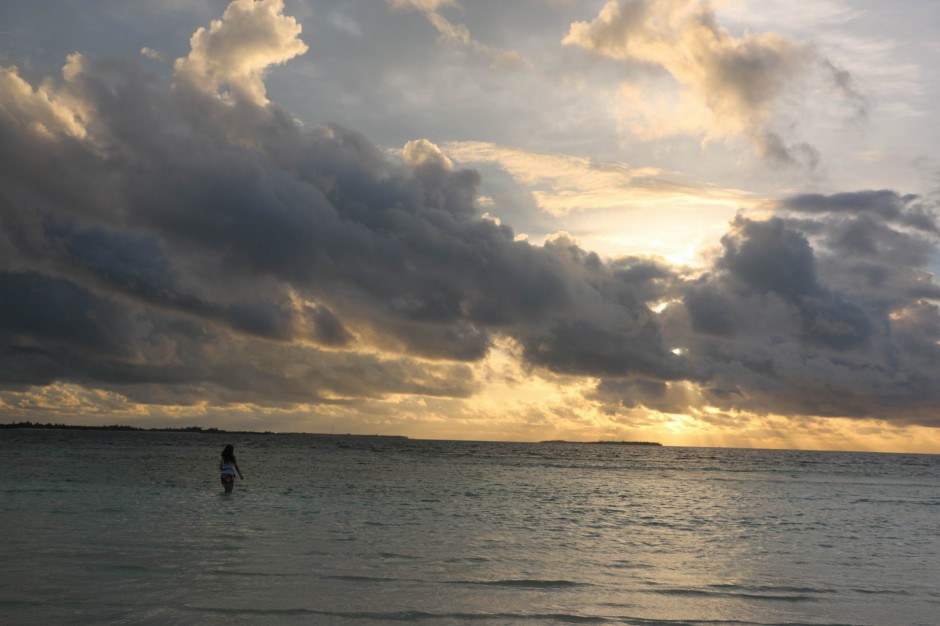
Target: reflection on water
<point>113,526</point>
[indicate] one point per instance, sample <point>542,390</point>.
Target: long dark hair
<point>228,453</point>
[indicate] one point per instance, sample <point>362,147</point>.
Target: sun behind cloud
<point>182,247</point>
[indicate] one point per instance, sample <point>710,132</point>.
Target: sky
<point>661,220</point>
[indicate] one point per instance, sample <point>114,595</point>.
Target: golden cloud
<point>562,184</point>
<point>726,85</point>
<point>235,51</point>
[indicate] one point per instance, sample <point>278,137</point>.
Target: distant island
<point>220,431</point>
<point>607,443</point>
<point>183,429</point>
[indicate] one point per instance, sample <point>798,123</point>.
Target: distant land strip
<point>183,429</point>
<point>213,430</point>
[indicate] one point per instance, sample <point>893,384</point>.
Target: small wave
<point>733,588</point>
<point>16,603</point>
<point>886,592</point>
<point>417,616</point>
<point>393,556</point>
<point>383,617</point>
<point>533,583</point>
<point>119,567</point>
<point>238,574</point>
<point>630,565</point>
<point>17,490</point>
<point>361,579</point>
<point>467,559</point>
<point>929,502</point>
<point>254,611</point>
<point>748,595</point>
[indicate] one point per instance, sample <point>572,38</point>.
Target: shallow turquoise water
<point>132,528</point>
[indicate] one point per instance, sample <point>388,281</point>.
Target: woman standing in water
<point>229,466</point>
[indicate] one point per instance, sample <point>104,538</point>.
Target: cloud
<point>459,34</point>
<point>830,316</point>
<point>181,243</point>
<point>561,184</point>
<point>724,85</point>
<point>47,111</point>
<point>422,152</point>
<point>907,210</point>
<point>150,53</point>
<point>234,52</point>
<point>175,246</point>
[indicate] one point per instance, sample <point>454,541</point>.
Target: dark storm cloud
<point>612,331</point>
<point>768,257</point>
<point>909,210</point>
<point>152,228</point>
<point>53,329</point>
<point>826,316</point>
<point>652,394</point>
<point>39,312</point>
<point>329,329</point>
<point>184,241</point>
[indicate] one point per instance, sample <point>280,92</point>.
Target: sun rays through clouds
<point>678,263</point>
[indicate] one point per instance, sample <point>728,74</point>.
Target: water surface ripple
<point>104,527</point>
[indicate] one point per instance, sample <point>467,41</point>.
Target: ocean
<point>110,527</point>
